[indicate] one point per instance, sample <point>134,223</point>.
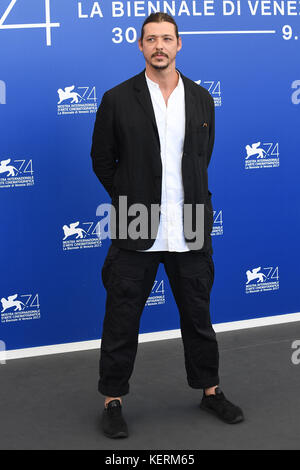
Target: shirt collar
<point>156,85</point>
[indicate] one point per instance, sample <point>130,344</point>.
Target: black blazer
<point>126,151</point>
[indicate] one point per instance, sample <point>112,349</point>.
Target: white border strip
<point>146,337</point>
<point>29,25</point>
<point>271,31</point>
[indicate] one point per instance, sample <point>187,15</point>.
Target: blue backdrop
<point>57,60</point>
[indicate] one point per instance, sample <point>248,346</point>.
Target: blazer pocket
<point>202,127</point>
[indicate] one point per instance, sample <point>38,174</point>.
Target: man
<point>152,143</point>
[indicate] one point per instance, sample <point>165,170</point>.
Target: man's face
<point>160,44</point>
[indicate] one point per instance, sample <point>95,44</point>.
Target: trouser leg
<point>191,277</point>
<point>128,277</point>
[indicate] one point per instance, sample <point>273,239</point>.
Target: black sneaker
<point>113,423</point>
<point>223,408</point>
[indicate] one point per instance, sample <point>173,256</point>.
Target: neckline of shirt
<point>156,85</point>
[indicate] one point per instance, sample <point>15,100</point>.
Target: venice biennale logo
<point>16,173</point>
<point>11,302</point>
<point>260,155</point>
<point>73,229</point>
<point>255,274</point>
<point>68,94</point>
<point>76,100</point>
<point>6,168</point>
<point>258,281</point>
<point>17,307</point>
<point>255,150</point>
<point>76,237</point>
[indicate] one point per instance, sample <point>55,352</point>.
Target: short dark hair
<point>159,17</point>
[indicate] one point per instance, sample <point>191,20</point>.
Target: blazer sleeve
<point>103,151</point>
<point>211,139</point>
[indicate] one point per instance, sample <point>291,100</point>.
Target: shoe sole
<point>238,419</point>
<point>117,435</point>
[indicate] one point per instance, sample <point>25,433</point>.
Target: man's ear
<point>179,44</point>
<point>140,44</point>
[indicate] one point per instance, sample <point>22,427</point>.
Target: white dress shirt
<point>170,120</point>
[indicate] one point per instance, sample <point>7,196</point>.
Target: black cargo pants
<point>128,277</point>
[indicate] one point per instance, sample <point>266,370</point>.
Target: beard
<point>159,66</point>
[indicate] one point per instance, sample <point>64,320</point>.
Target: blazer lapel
<point>189,108</point>
<point>144,97</point>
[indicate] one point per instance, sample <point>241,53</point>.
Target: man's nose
<point>159,44</point>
